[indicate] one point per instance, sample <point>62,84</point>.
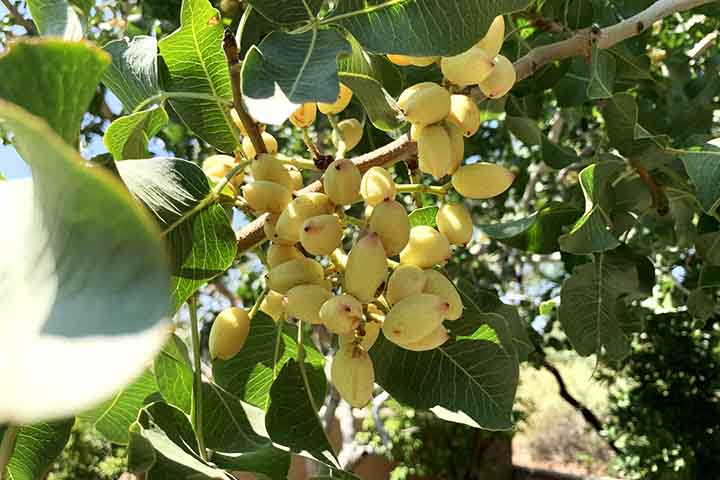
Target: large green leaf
<point>269,462</point>
<point>292,417</point>
<point>420,27</point>
<point>133,74</point>
<point>537,233</point>
<point>471,379</point>
<point>250,374</point>
<point>163,445</point>
<point>623,129</point>
<point>230,425</point>
<point>286,70</point>
<point>70,73</point>
<point>557,156</point>
<point>93,272</point>
<point>203,247</point>
<point>525,129</point>
<point>113,417</point>
<point>592,232</point>
<point>602,74</point>
<point>287,11</point>
<point>196,63</point>
<point>174,375</point>
<point>57,18</point>
<point>708,247</point>
<point>36,447</point>
<point>703,168</point>
<point>128,136</point>
<point>589,306</point>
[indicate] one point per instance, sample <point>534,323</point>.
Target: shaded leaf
<point>703,168</point>
<point>623,129</point>
<point>557,156</point>
<point>525,129</point>
<point>602,74</point>
<point>92,267</point>
<point>128,136</point>
<point>287,11</point>
<point>57,18</point>
<point>71,72</point>
<point>537,233</point>
<point>708,247</point>
<point>36,448</point>
<point>227,422</point>
<point>174,375</point>
<point>269,461</point>
<point>133,74</point>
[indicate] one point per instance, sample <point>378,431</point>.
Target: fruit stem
<point>298,162</point>
<point>393,264</point>
<point>256,307</point>
<point>339,259</point>
<point>197,374</point>
<point>439,191</point>
<point>7,446</point>
<point>211,197</point>
<point>312,148</point>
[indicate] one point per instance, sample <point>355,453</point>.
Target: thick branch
<point>397,151</point>
<point>233,60</point>
<point>580,43</point>
<point>19,19</point>
<point>587,414</point>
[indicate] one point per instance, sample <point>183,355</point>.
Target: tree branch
<point>233,60</point>
<point>587,414</point>
<point>19,19</point>
<point>580,43</point>
<point>397,151</point>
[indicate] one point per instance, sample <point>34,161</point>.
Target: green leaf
<point>61,94</point>
<point>128,136</point>
<point>700,304</point>
<point>174,375</point>
<point>36,447</point>
<point>230,425</point>
<point>57,18</point>
<point>471,379</point>
<point>133,74</point>
<point>592,232</point>
<point>557,156</point>
<point>292,419</point>
<point>270,462</point>
<point>286,70</point>
<point>287,11</point>
<point>203,247</point>
<point>537,233</point>
<point>196,63</point>
<point>709,277</point>
<point>113,417</point>
<point>250,374</point>
<point>420,27</point>
<point>571,89</point>
<point>602,74</point>
<point>525,129</point>
<point>163,445</point>
<point>424,216</point>
<point>623,129</point>
<point>703,168</point>
<point>168,187</point>
<point>588,309</point>
<point>579,14</point>
<point>629,65</point>
<point>92,268</point>
<point>708,247</point>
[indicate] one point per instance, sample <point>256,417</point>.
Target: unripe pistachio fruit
<point>426,247</point>
<point>296,272</point>
<point>341,314</point>
<point>353,375</point>
<point>494,38</point>
<point>238,123</point>
<point>296,177</point>
<point>343,100</point>
<point>390,220</point>
<point>278,254</point>
<point>425,103</point>
<point>465,113</point>
<point>501,80</point>
<point>457,145</point>
<point>377,185</point>
<point>342,182</point>
<point>216,167</point>
<point>468,68</point>
<point>454,221</point>
<point>366,269</point>
<point>406,280</point>
<point>348,134</point>
<point>273,305</point>
<point>228,333</point>
<point>482,180</point>
<point>321,235</point>
<point>271,145</point>
<point>291,220</point>
<point>304,302</point>
<point>434,151</point>
<point>414,317</point>
<point>268,168</point>
<point>430,342</point>
<point>267,196</point>
<point>304,116</point>
<point>438,284</point>
<point>405,60</point>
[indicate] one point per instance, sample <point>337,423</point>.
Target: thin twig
<point>19,19</point>
<point>197,372</point>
